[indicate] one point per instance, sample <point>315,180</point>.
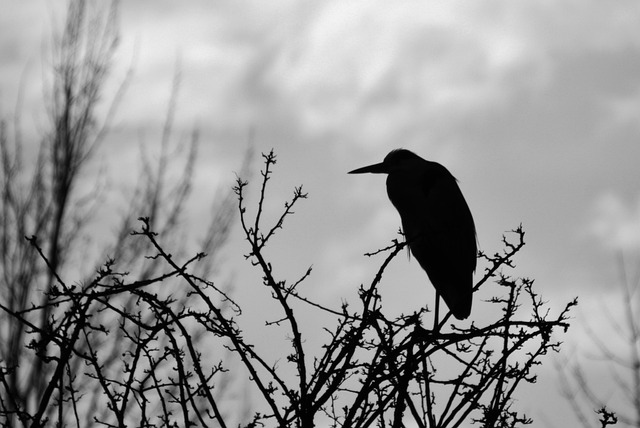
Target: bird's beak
<point>378,168</point>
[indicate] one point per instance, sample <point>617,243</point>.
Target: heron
<point>436,222</point>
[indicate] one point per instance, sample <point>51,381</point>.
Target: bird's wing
<point>448,249</point>
<point>449,220</point>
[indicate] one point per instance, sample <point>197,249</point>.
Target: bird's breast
<point>411,201</point>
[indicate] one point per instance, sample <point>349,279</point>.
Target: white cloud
<point>624,110</point>
<point>615,223</point>
<point>379,69</point>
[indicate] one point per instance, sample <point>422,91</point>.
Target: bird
<point>436,223</point>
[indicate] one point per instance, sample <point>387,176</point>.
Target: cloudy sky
<point>533,105</point>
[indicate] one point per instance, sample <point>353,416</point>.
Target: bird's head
<point>396,160</point>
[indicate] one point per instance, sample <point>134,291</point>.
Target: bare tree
<point>584,392</point>
<point>377,370</point>
<point>373,370</point>
<point>44,203</point>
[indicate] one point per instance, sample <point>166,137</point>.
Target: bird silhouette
<point>436,222</point>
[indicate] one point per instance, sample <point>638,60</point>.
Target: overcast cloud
<point>533,105</point>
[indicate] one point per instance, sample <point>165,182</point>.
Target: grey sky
<point>533,105</point>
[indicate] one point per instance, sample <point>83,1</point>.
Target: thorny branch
<point>391,374</point>
<point>372,370</point>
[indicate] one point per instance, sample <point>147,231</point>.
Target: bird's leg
<point>435,319</point>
